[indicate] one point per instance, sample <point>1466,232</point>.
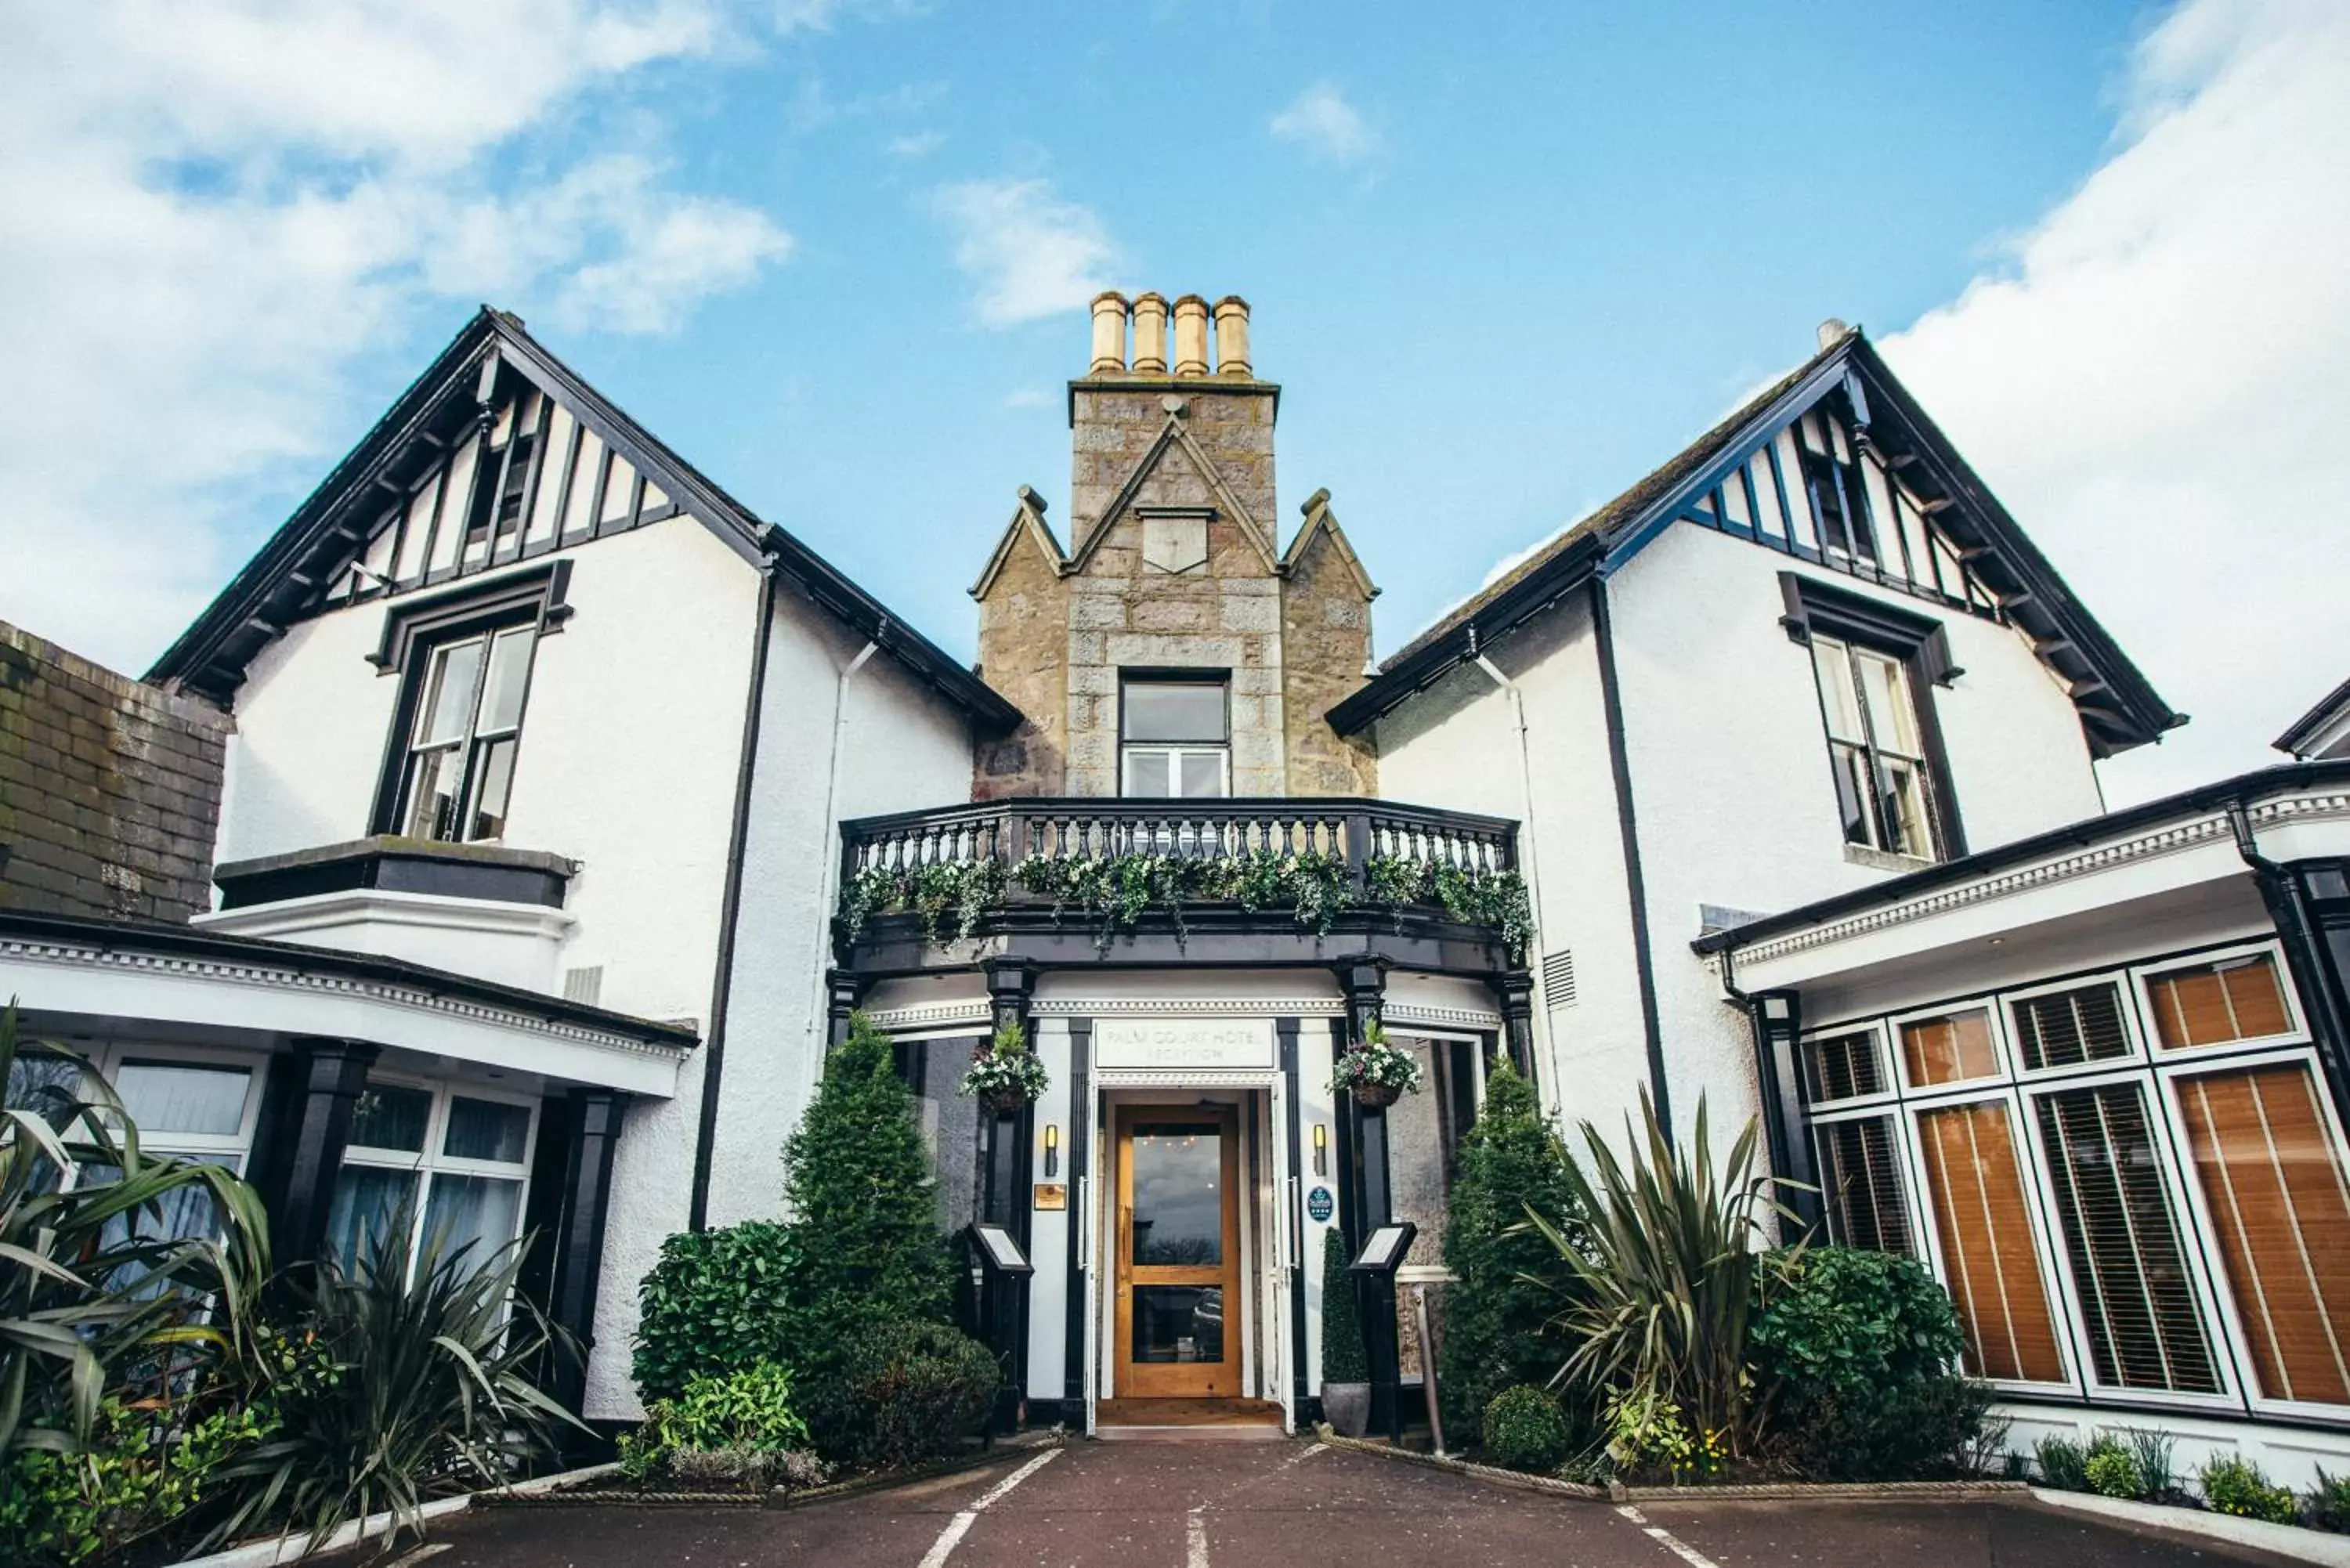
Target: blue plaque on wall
<point>1319,1205</point>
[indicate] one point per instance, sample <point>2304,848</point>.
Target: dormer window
<point>1174,737</point>
<point>462,739</point>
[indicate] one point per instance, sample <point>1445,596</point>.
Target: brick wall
<point>110,789</point>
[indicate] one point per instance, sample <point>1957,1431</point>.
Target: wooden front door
<point>1179,1266</point>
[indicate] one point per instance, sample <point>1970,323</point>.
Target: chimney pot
<point>1830,330</point>
<point>1109,334</point>
<point>1233,338</point>
<point>1191,335</point>
<point>1151,335</point>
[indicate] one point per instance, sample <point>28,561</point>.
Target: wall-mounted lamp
<point>1052,1150</point>
<point>1321,1149</point>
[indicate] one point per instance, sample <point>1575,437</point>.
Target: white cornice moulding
<point>436,911</point>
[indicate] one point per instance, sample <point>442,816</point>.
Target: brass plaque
<point>1051,1194</point>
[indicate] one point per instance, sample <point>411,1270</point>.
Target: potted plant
<point>1345,1366</point>
<point>1375,1072</point>
<point>1005,1075</point>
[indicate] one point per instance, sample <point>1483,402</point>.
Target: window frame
<point>415,633</point>
<point>429,1162</point>
<point>1920,646</point>
<point>2003,1060</point>
<point>1887,1109</point>
<point>2142,977</point>
<point>1888,1070</point>
<point>2125,999</point>
<point>1174,751</point>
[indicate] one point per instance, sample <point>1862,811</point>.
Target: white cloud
<point>919,144</point>
<point>1321,121</point>
<point>1028,254</point>
<point>2154,383</point>
<point>212,213</point>
<point>1028,398</point>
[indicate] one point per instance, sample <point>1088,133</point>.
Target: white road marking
<point>1668,1540</point>
<point>420,1555</point>
<point>960,1525</point>
<point>1195,1541</point>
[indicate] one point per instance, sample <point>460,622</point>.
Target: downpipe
<point>819,1014</point>
<point>1509,687</point>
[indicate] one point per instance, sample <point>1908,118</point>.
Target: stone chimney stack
<point>1233,338</point>
<point>1190,336</point>
<point>1109,334</point>
<point>1151,335</point>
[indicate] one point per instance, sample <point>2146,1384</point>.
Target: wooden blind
<point>2211,1004</point>
<point>1860,1174</point>
<point>1948,1050</point>
<point>2121,1241</point>
<point>1842,1066</point>
<point>2064,1028</point>
<point>1985,1230</point>
<point>2273,1180</point>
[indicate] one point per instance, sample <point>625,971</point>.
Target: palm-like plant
<point>414,1380</point>
<point>93,1295</point>
<point>1662,1273</point>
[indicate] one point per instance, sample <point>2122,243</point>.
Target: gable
<point>499,454</point>
<point>1176,473</point>
<point>1837,466</point>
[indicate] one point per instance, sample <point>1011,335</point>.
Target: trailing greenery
<point>1855,1356</point>
<point>714,1301</point>
<point>746,1412</point>
<point>410,1377</point>
<point>903,1392</point>
<point>93,1299</point>
<point>1665,1274</point>
<point>1005,1065</point>
<point>1114,891</point>
<point>1504,1274</point>
<point>1374,1063</point>
<point>1344,1357</point>
<point>1525,1429</point>
<point>2242,1488</point>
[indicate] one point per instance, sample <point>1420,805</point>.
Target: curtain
<point>371,1204</point>
<point>481,1210</point>
<point>1985,1228</point>
<point>2273,1181</point>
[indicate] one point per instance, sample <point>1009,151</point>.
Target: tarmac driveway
<point>1289,1505</point>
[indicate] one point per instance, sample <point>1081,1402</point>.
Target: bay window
<point>2133,1184</point>
<point>447,1165</point>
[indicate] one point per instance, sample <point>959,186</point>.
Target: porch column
<point>1078,1174</point>
<point>1285,1032</point>
<point>1009,1193</point>
<point>594,1118</point>
<point>1515,987</point>
<point>1364,1131</point>
<point>1777,1018</point>
<point>322,1084</point>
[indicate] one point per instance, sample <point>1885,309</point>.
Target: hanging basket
<point>1006,1102</point>
<point>1376,1097</point>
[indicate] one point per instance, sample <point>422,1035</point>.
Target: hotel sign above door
<point>1175,1044</point>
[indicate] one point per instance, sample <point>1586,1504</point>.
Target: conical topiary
<point>1494,1315</point>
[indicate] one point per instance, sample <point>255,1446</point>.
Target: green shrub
<point>1505,1289</point>
<point>1344,1358</point>
<point>1525,1429</point>
<point>715,1301</point>
<point>1664,1275</point>
<point>747,1411</point>
<point>2064,1464</point>
<point>901,1392</point>
<point>858,1184</point>
<point>2243,1488</point>
<point>1854,1353</point>
<point>2112,1472</point>
<point>141,1472</point>
<point>2326,1505</point>
<point>1647,1434</point>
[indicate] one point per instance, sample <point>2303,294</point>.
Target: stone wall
<point>1326,638</point>
<point>1024,642</point>
<point>110,789</point>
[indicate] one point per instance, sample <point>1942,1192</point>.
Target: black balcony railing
<point>1315,862</point>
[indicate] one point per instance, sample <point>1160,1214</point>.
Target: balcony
<point>1213,883</point>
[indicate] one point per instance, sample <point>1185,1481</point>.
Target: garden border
<point>1777,1492</point>
<point>271,1551</point>
<point>774,1497</point>
<point>2294,1541</point>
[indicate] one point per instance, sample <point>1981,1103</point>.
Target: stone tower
<point>1173,572</point>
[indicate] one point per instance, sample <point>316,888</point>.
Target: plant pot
<point>1347,1408</point>
<point>1376,1097</point>
<point>1006,1102</point>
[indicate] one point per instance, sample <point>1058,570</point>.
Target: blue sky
<point>1502,264</point>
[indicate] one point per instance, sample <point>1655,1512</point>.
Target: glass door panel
<point>1178,1254</point>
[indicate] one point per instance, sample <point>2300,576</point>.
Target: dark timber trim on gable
<point>438,411</point>
<point>2001,574</point>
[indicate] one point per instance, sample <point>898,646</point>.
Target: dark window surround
<point>1921,644</point>
<point>534,597</point>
